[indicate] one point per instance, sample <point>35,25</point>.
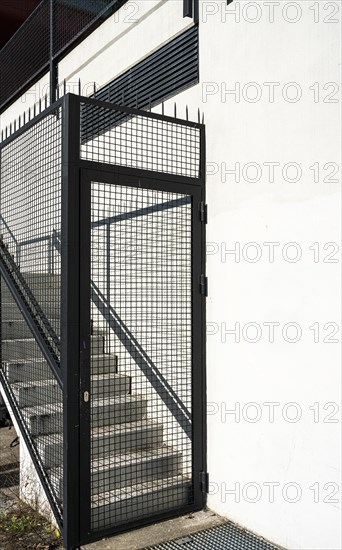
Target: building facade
<point>266,78</point>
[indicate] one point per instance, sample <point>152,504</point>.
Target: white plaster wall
<point>298,453</point>
<point>305,453</point>
<point>275,473</point>
<point>136,30</point>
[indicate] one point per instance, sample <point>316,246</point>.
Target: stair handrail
<point>138,354</point>
<point>11,234</point>
<point>33,314</point>
<point>178,410</point>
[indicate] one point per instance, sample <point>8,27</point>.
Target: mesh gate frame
<point>125,178</point>
<point>80,173</point>
<point>75,359</point>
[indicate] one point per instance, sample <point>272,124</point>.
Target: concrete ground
<point>160,532</point>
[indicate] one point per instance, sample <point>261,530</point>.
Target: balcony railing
<point>47,35</point>
<point>51,31</point>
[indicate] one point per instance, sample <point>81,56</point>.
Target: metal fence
<point>30,198</point>
<point>103,311</point>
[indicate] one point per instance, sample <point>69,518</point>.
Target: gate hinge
<point>204,482</point>
<point>203,284</point>
<point>203,212</point>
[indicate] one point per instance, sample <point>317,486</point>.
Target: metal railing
<point>48,34</point>
<point>52,29</point>
<point>103,304</point>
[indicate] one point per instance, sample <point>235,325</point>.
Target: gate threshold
<point>157,533</point>
<point>227,536</point>
<point>202,530</point>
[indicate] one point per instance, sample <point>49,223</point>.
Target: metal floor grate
<point>223,537</point>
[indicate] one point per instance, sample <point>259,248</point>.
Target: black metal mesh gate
<point>103,265</point>
<point>141,269</point>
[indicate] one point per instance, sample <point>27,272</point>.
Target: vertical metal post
<point>199,336</point>
<point>53,62</point>
<point>85,344</point>
<point>70,313</point>
<point>198,299</point>
<point>187,8</point>
<point>196,11</point>
<point>203,309</point>
<point>108,261</point>
<point>17,253</point>
<point>49,254</point>
<point>0,330</point>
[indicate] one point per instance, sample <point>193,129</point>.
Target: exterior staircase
<point>133,471</point>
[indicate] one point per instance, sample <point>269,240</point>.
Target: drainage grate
<point>223,537</point>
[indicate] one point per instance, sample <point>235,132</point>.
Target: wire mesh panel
<point>114,137</point>
<point>30,223</point>
<point>141,242</point>
<point>30,219</point>
<point>72,17</point>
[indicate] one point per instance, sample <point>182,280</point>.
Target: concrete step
<point>39,277</point>
<point>117,471</point>
<point>51,309</point>
<point>138,501</point>
<point>27,348</point>
<point>97,344</point>
<point>18,329</point>
<point>46,289</point>
<point>104,364</point>
<point>120,438</point>
<point>10,311</point>
<point>28,371</point>
<point>126,437</point>
<point>39,283</point>
<point>50,449</point>
<point>46,419</point>
<point>117,410</point>
<point>19,371</point>
<point>42,392</point>
<point>19,349</point>
<point>110,384</point>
